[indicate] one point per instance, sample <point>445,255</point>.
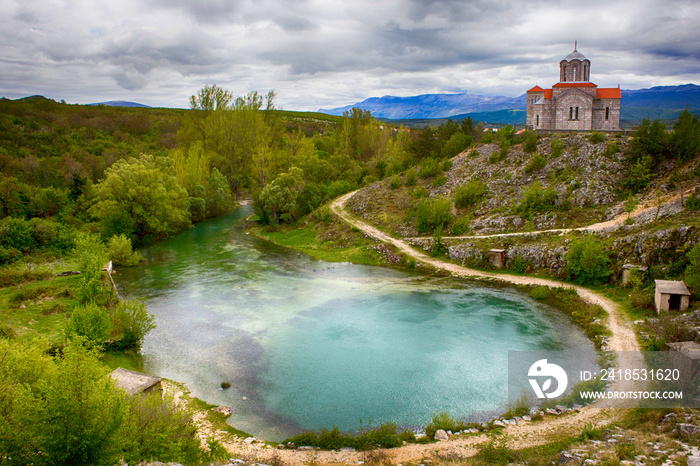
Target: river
<point>308,344</point>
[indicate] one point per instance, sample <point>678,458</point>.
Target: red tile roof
<point>575,84</point>
<point>536,89</point>
<point>610,93</point>
<point>548,93</point>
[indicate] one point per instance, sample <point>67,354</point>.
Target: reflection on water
<point>308,344</point>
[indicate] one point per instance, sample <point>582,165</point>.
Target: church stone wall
<point>613,121</point>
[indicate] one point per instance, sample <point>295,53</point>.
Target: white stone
<point>441,435</point>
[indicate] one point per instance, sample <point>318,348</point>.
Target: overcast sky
<point>328,53</point>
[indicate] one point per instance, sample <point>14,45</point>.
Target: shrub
<point>520,407</point>
<point>693,203</point>
<point>395,182</point>
<point>495,157</point>
<point>470,193</point>
<point>121,252</point>
<point>537,162</point>
<point>588,262</point>
<point>441,421</point>
<point>433,213</point>
<point>530,144</point>
<point>6,331</point>
<point>90,322</point>
<point>596,137</point>
<point>456,144</point>
<point>518,264</point>
<point>611,148</point>
<point>496,452</point>
<point>134,321</point>
<point>410,177</point>
<point>461,226</point>
<point>539,293</point>
<point>537,199</point>
<point>639,174</point>
<point>692,270</point>
<point>429,167</point>
<point>439,181</point>
<point>557,146</point>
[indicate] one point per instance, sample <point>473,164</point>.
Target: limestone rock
<point>441,435</point>
<point>225,410</point>
<point>688,430</point>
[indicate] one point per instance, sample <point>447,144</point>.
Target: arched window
<point>573,75</point>
<point>537,120</point>
<point>607,113</point>
<point>571,113</point>
<point>564,75</point>
<point>577,113</point>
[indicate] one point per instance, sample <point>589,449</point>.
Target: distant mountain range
<point>661,102</point>
<point>121,103</point>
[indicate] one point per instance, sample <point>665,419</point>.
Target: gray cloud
<point>324,53</point>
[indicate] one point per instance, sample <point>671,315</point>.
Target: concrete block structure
<point>574,103</point>
<point>671,295</point>
<point>135,382</point>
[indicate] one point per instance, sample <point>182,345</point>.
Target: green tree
<point>651,139</point>
<point>588,262</point>
<point>278,201</point>
<point>530,143</point>
<point>211,97</point>
<point>639,174</point>
<point>143,192</point>
<point>132,318</point>
<point>91,323</point>
<point>692,271</point>
<point>121,252</point>
<point>82,412</point>
<point>456,144</point>
<point>685,138</point>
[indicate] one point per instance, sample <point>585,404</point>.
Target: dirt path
<point>519,436</point>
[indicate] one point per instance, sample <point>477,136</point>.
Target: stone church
<point>574,103</point>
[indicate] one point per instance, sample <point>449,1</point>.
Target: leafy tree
<point>142,192</point>
<point>82,412</point>
<point>685,139</point>
<point>639,174</point>
<point>156,429</point>
<point>278,201</point>
<point>456,144</point>
<point>121,251</point>
<point>134,321</point>
<point>67,411</point>
<point>588,262</point>
<point>211,97</point>
<point>91,323</point>
<point>651,139</point>
<point>692,271</point>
